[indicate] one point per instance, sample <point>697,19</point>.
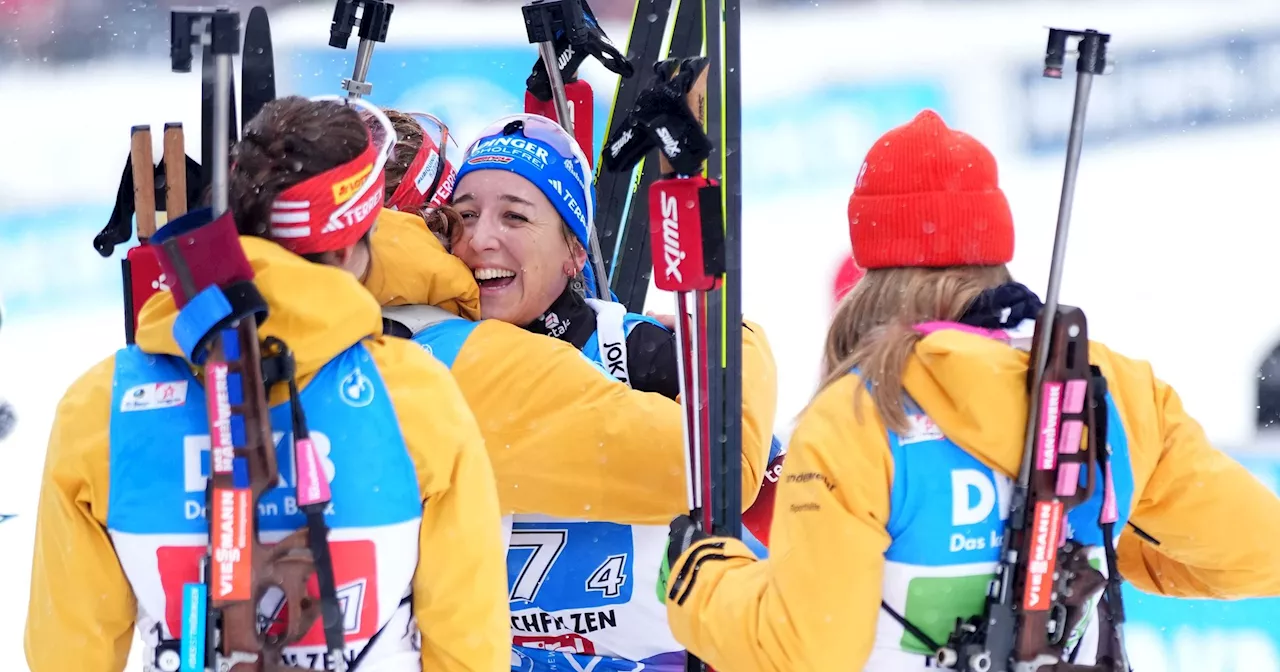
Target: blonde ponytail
<point>873,329</point>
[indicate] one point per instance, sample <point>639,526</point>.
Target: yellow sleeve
<point>759,408</point>
<point>813,605</point>
<point>81,611</point>
<point>1214,520</point>
<point>407,265</point>
<point>567,440</point>
<point>460,586</point>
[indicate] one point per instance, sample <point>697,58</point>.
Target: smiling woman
<point>521,252</point>
<point>526,203</point>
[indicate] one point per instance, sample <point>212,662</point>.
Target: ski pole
<point>570,47</point>
<point>1091,60</point>
<point>375,17</point>
<point>218,30</point>
<point>687,235</point>
<point>542,18</point>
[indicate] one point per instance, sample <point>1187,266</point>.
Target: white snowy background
<point>1173,242</point>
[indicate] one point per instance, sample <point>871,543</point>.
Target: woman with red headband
<point>414,524</point>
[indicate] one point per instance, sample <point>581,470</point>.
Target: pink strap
<point>927,328</point>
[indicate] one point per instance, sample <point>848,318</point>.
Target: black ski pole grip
<point>544,18</point>
<point>186,26</point>
<point>344,19</point>
<point>1091,51</point>
<point>1055,53</point>
<point>375,20</point>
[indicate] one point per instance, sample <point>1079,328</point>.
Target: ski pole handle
<point>686,234</point>
<point>175,171</point>
<point>374,19</point>
<point>144,186</point>
<point>542,19</point>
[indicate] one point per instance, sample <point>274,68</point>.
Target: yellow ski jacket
<point>814,604</point>
<point>82,608</point>
<point>565,439</point>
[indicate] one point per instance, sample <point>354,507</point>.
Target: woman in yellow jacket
<point>414,524</point>
<point>564,438</point>
<point>594,607</point>
<point>891,501</point>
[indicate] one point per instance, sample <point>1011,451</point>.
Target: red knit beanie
<point>928,196</point>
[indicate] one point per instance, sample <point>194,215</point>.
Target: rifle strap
<point>407,599</point>
<point>910,627</point>
<point>1110,604</point>
<point>317,529</point>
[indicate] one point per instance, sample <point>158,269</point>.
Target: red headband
<point>303,218</point>
<point>429,178</point>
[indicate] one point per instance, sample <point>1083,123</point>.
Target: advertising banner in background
<point>817,140</point>
<point>1159,88</point>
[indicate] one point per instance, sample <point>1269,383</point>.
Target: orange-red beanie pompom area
<point>929,196</point>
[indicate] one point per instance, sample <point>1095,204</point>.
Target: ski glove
<point>661,118</point>
<point>572,46</point>
<point>683,534</point>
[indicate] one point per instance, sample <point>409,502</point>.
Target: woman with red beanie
<point>891,504</point>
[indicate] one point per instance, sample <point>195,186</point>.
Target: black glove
<point>683,534</point>
<point>661,118</point>
<point>596,44</point>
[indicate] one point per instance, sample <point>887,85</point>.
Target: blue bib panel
<point>160,457</point>
<point>947,517</point>
<point>159,467</point>
<point>929,529</point>
<point>443,340</point>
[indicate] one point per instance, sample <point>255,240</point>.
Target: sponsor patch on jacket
<point>151,396</point>
<point>922,429</point>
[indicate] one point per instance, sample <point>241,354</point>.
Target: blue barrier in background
<point>48,264</point>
